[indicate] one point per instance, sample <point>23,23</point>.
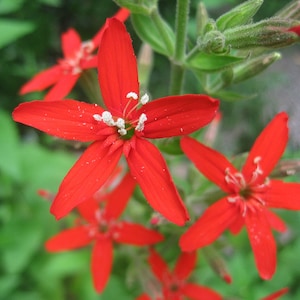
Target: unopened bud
<point>145,63</point>
<point>286,168</point>
<point>213,42</point>
<point>254,66</point>
<point>239,15</point>
<point>290,11</point>
<point>270,33</point>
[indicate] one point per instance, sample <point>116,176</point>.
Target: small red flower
<point>250,195</point>
<point>101,227</point>
<point>174,283</point>
<point>78,56</point>
<point>123,127</point>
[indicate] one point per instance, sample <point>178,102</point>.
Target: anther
<point>141,122</point>
<point>97,117</point>
<point>144,99</point>
<point>132,95</point>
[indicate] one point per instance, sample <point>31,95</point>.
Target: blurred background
<point>30,42</point>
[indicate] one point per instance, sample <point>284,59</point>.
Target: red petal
<point>158,266</point>
<point>178,115</point>
<point>185,264</point>
<point>71,43</point>
<point>88,209</point>
<point>210,226</point>
<point>143,297</point>
<point>119,197</point>
<point>295,29</point>
<point>208,161</point>
<point>283,195</point>
<point>269,146</point>
<point>117,69</point>
<point>237,226</point>
<point>102,257</point>
<point>136,234</point>
<point>69,239</point>
<point>275,222</point>
<point>198,292</point>
<point>262,242</point>
<point>62,88</point>
<point>68,119</point>
<point>276,295</point>
<point>42,80</point>
<point>89,63</point>
<point>150,170</point>
<point>122,15</point>
<point>88,174</point>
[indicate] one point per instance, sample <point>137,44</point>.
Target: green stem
<point>177,68</point>
<point>159,23</point>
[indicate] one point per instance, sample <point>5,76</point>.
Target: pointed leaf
<point>88,174</point>
<point>208,161</point>
<point>178,115</point>
<point>69,239</point>
<point>102,257</point>
<point>117,68</point>
<point>136,234</point>
<point>268,148</point>
<point>262,242</point>
<point>150,170</point>
<point>209,226</point>
<point>68,119</point>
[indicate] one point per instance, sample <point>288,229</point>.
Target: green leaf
<point>54,3</point>
<point>9,150</point>
<point>143,7</point>
<point>148,33</point>
<point>12,30</point>
<point>8,284</point>
<point>232,96</point>
<point>8,6</point>
<point>212,62</point>
<point>115,290</point>
<point>170,146</point>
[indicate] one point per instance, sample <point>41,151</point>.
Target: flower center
<point>125,127</point>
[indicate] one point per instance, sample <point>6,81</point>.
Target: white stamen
<point>120,123</point>
<point>122,131</point>
<point>132,95</point>
<point>232,199</point>
<point>97,117</point>
<point>141,122</point>
<point>107,118</point>
<point>144,99</point>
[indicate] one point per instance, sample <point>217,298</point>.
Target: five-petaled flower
<point>101,227</point>
<point>78,56</point>
<point>122,128</point>
<point>250,194</point>
<point>174,284</point>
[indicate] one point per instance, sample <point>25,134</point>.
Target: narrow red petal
<point>88,174</point>
<point>262,243</point>
<point>119,197</point>
<point>295,29</point>
<point>122,15</point>
<point>178,115</point>
<point>90,63</point>
<point>277,294</point>
<point>42,80</point>
<point>208,161</point>
<point>150,170</point>
<point>136,234</point>
<point>102,257</point>
<point>68,119</point>
<point>69,239</point>
<point>117,69</point>
<point>70,42</point>
<point>209,226</point>
<point>143,297</point>
<point>158,266</point>
<point>237,226</point>
<point>283,195</point>
<point>268,147</point>
<point>88,209</point>
<point>198,292</point>
<point>185,264</point>
<point>275,222</point>
<point>62,88</point>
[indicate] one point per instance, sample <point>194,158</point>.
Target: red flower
<point>102,228</point>
<point>122,128</point>
<point>250,194</point>
<point>77,57</point>
<point>277,294</point>
<point>174,284</point>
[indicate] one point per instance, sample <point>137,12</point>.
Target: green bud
<point>290,11</point>
<point>212,42</point>
<point>201,18</point>
<point>269,33</point>
<point>239,15</point>
<point>143,7</point>
<point>254,66</point>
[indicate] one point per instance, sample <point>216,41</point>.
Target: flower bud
<point>145,64</point>
<point>290,11</point>
<point>143,7</point>
<point>254,66</point>
<point>269,33</point>
<point>239,15</point>
<point>212,42</point>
